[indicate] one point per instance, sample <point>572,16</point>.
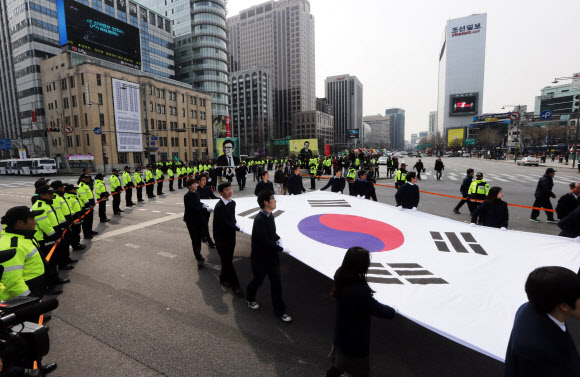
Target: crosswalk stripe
<point>493,176</point>
<point>452,178</point>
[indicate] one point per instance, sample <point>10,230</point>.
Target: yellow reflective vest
<point>26,265</point>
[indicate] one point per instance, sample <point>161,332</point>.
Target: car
<point>383,160</point>
<point>530,160</point>
<point>454,154</point>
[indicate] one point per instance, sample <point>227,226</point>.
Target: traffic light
<point>206,150</point>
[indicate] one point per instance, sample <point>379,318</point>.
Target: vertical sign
<point>228,127</point>
<point>327,150</point>
<point>127,116</point>
<point>33,114</point>
<point>22,153</point>
<point>87,93</point>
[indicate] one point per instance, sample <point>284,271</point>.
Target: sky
<point>393,49</point>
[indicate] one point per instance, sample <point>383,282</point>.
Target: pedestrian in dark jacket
<point>543,194</point>
<point>570,225</point>
<point>439,167</point>
<point>493,212</point>
<point>279,180</point>
<point>336,183</point>
<point>295,186</point>
<point>361,186</point>
<point>464,190</point>
<point>355,305</point>
<point>408,195</point>
<point>419,167</point>
<point>194,218</point>
<point>568,202</point>
<point>540,344</point>
<point>264,184</point>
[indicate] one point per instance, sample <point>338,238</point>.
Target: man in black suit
<point>336,183</point>
<point>264,184</point>
<point>570,225</point>
<point>568,202</point>
<point>228,158</point>
<point>408,195</point>
<point>266,245</point>
<point>306,152</point>
<point>540,343</point>
<point>295,186</point>
<point>224,234</point>
<point>194,218</point>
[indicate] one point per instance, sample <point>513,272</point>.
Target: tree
<point>534,136</point>
<point>59,138</point>
<point>490,138</point>
<point>436,141</point>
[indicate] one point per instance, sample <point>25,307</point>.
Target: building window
<point>82,79</point>
<point>69,141</point>
<point>100,96</point>
<point>72,82</point>
<point>102,119</point>
<point>86,120</point>
<point>152,124</point>
<point>88,140</point>
<point>74,100</point>
<point>137,158</point>
<point>122,157</point>
<point>98,80</point>
<point>78,140</point>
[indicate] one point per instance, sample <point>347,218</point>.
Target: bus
<point>28,166</point>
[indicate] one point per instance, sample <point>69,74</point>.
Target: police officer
<point>401,176</point>
<point>350,177</point>
<point>128,186</point>
<point>65,220</point>
<point>179,175</point>
<point>150,181</point>
<point>24,273</point>
<point>313,169</point>
<point>159,177</point>
<point>171,176</point>
<point>478,190</point>
<point>76,212</point>
<point>102,195</point>
<point>116,189</point>
<point>138,182</point>
<point>87,201</point>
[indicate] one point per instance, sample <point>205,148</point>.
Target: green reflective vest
<point>114,182</point>
<point>73,202</point>
<point>100,188</point>
<point>148,175</point>
<point>127,179</point>
<point>26,265</point>
<point>478,189</point>
<point>351,174</point>
<point>46,221</point>
<point>401,177</point>
<point>137,180</point>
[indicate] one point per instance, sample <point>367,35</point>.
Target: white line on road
<point>131,245</point>
<point>451,177</point>
<point>163,254</point>
<point>169,213</point>
<point>493,176</point>
<point>133,228</point>
<point>156,211</point>
<point>141,209</point>
<point>213,266</point>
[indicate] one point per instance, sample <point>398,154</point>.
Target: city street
<point>138,306</point>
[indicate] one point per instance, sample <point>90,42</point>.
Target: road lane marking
<point>133,246</point>
<point>133,228</point>
<point>164,254</point>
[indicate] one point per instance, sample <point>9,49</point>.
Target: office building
<point>323,105</point>
<point>461,71</point>
<point>559,99</point>
<point>345,94</point>
<point>201,51</point>
<point>252,116</point>
<point>314,124</point>
<point>414,139</point>
<point>30,34</point>
<point>380,130</point>
<point>397,134</point>
<point>433,122</point>
<point>143,117</point>
<point>278,35</point>
<point>423,134</point>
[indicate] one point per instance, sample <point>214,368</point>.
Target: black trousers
<point>205,237</point>
<point>160,187</point>
<point>542,203</point>
<point>88,223</point>
<point>270,268</point>
<point>418,173</point>
<point>195,235</point>
<point>171,184</point>
<point>373,194</point>
<point>351,188</point>
<point>179,180</point>
<point>117,202</point>
<point>50,272</point>
<point>312,182</point>
<point>462,201</point>
<point>75,235</point>
<point>62,252</point>
<point>103,210</point>
<point>139,193</point>
<point>129,196</point>
<point>183,180</point>
<point>37,286</point>
<point>149,189</point>
<point>228,274</point>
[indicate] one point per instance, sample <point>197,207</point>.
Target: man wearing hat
<point>87,201</point>
<point>63,248</point>
<point>128,185</point>
<point>102,195</point>
<point>478,190</point>
<point>24,273</point>
<point>401,176</point>
<point>159,177</point>
<point>39,183</point>
<point>543,194</point>
<point>138,181</point>
<point>150,181</point>
<point>171,176</point>
<point>116,189</point>
<point>76,212</point>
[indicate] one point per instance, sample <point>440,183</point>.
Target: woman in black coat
<point>354,307</point>
<point>493,212</point>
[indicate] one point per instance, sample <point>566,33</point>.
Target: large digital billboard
<point>353,133</point>
<point>227,151</point>
<point>88,31</point>
<point>127,116</point>
<point>304,147</point>
<point>463,104</point>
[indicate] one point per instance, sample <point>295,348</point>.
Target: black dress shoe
<point>90,236</point>
<point>140,200</point>
<point>47,368</point>
<point>47,317</point>
<point>94,233</point>
<point>79,247</point>
<point>239,292</point>
<point>70,260</point>
<point>66,267</point>
<point>225,284</point>
<point>211,244</point>
<point>121,210</point>
<point>62,281</point>
<point>105,220</point>
<point>54,291</point>
<point>129,205</point>
<point>117,214</point>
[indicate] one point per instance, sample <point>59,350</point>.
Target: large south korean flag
<point>465,283</point>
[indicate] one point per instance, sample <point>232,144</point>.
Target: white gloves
<point>502,228</point>
<point>577,239</point>
<point>414,209</point>
<point>209,179</point>
<point>359,196</point>
<point>340,192</point>
<point>400,208</point>
<point>207,208</point>
<point>291,194</point>
<point>473,224</point>
<point>279,243</point>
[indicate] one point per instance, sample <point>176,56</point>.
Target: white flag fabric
<point>465,283</point>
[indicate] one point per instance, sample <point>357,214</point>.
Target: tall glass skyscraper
<point>201,50</point>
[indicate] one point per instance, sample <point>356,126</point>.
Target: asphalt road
<point>138,306</point>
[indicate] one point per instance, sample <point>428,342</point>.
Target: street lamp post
<point>102,142</point>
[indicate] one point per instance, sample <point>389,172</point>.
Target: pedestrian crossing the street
<point>501,177</point>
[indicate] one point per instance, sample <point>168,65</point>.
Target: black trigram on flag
<point>328,203</point>
<point>252,213</point>
<point>456,243</point>
<point>397,273</point>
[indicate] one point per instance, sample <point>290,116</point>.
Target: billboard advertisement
<point>455,137</point>
<point>463,104</point>
<point>304,147</point>
<point>220,126</point>
<point>88,31</point>
<point>127,116</point>
<point>353,133</point>
<point>227,151</point>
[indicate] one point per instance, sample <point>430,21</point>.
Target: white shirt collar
<point>576,196</point>
<point>226,202</point>
<point>562,325</point>
<point>412,184</point>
